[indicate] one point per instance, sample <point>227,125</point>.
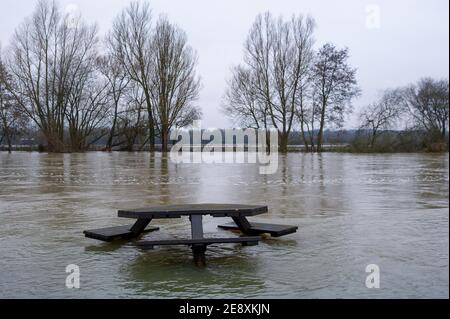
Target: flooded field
<point>352,211</point>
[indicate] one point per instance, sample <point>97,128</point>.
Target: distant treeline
<point>357,141</point>
<point>132,85</point>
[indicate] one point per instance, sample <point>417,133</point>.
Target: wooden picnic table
<point>198,242</point>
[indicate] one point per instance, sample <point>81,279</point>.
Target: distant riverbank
<point>341,148</point>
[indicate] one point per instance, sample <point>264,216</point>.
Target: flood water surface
<point>351,210</point>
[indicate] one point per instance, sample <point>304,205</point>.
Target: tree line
<point>284,83</point>
<point>133,85</point>
<point>139,81</point>
<point>419,112</point>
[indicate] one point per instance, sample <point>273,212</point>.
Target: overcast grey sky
<point>412,40</point>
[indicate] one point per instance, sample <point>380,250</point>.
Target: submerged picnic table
<point>195,212</point>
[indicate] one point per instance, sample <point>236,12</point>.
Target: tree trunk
<point>8,140</point>
<point>111,133</point>
<point>54,144</point>
<point>302,127</point>
<point>267,134</point>
<point>373,139</point>
<point>151,123</point>
<point>151,139</point>
<point>311,137</point>
<point>164,138</point>
<point>283,141</point>
<point>6,134</point>
<point>322,124</point>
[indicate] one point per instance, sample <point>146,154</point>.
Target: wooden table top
<point>176,211</point>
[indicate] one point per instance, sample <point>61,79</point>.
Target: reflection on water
<point>169,271</point>
<point>352,210</point>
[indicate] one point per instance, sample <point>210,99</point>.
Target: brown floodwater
<point>351,210</point>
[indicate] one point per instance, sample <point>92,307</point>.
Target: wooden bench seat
<point>244,240</point>
<point>260,228</point>
<point>115,232</point>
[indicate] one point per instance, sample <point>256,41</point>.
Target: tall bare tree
<point>174,84</point>
<point>334,87</point>
<point>277,58</point>
<point>130,42</point>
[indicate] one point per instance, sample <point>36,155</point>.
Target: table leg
<point>139,226</point>
<point>243,224</point>
<point>198,250</point>
<point>196,226</point>
<point>199,254</point>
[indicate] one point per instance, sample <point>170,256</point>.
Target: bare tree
<point>49,58</point>
<point>428,103</point>
<point>277,57</point>
<point>174,85</point>
<point>130,42</point>
<point>117,82</point>
<point>334,87</point>
<point>382,115</point>
<point>131,122</point>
